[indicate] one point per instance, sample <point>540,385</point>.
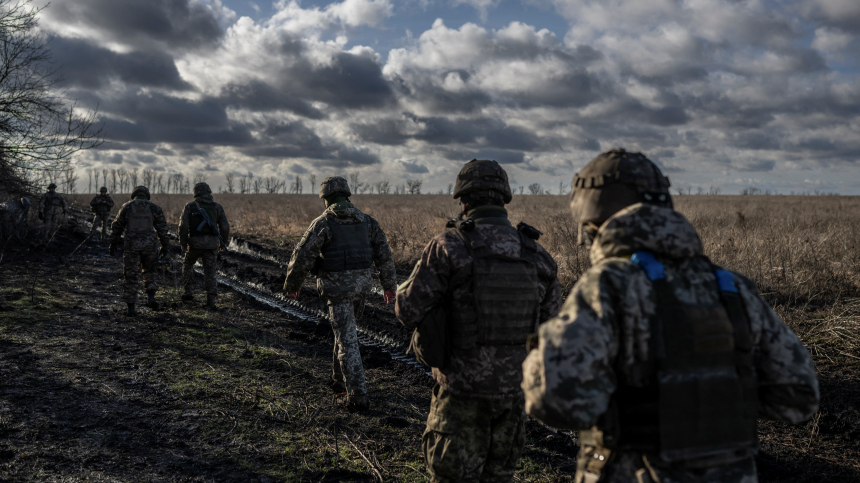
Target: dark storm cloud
<point>755,140</point>
<point>144,132</point>
<point>177,23</point>
<point>753,165</point>
<point>296,140</point>
<point>88,66</point>
<point>441,131</point>
<point>500,155</point>
<point>413,167</point>
<point>351,82</point>
<point>438,100</point>
<point>259,96</point>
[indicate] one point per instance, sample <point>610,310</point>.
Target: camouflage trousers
<point>133,263</point>
<point>209,260</point>
<point>631,467</point>
<point>346,362</point>
<point>104,221</point>
<point>52,223</point>
<point>473,439</point>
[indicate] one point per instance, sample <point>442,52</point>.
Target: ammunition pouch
<point>430,340</point>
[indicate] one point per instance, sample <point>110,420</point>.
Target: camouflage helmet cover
<point>103,189</point>
<point>334,185</point>
<point>52,186</point>
<point>201,189</point>
<point>483,176</point>
<point>615,180</point>
<point>140,190</point>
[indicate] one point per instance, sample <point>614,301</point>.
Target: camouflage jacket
<point>203,242</point>
<point>51,203</point>
<point>147,241</point>
<point>444,276</point>
<point>603,329</point>
<point>101,204</point>
<point>344,284</point>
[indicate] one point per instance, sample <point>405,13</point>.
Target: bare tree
<point>715,190</point>
<point>159,183</point>
<point>229,177</point>
<point>244,185</point>
<point>258,184</point>
<point>414,186</point>
<point>562,187</point>
<point>450,188</point>
<point>40,129</point>
<point>522,188</point>
<point>70,179</point>
<point>96,177</point>
<point>122,173</point>
<point>132,177</point>
<point>148,176</point>
<point>105,179</point>
<point>312,179</point>
<point>90,185</point>
<point>113,181</point>
<point>383,187</point>
<point>297,185</point>
<point>536,189</point>
<point>199,177</point>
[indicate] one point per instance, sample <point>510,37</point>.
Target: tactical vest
<point>702,399</point>
<point>101,208</point>
<point>139,218</point>
<point>349,248</point>
<point>197,225</point>
<point>506,292</point>
<point>53,200</point>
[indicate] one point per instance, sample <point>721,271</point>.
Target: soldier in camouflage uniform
<point>199,241</point>
<point>659,358</point>
<point>144,225</point>
<point>496,285</point>
<point>101,205</point>
<point>13,219</point>
<point>339,247</point>
<point>50,206</point>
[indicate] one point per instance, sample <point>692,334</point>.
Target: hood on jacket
<point>207,198</point>
<point>661,231</point>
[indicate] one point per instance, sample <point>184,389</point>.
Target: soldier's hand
<point>532,342</point>
<point>292,295</point>
<point>112,249</point>
<point>389,296</point>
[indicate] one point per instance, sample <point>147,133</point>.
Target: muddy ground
<point>183,394</point>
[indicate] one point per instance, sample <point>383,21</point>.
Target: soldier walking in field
<point>101,205</point>
<point>339,247</point>
<point>661,359</point>
<point>144,225</point>
<point>13,219</point>
<point>495,284</point>
<point>203,231</point>
<point>51,205</point>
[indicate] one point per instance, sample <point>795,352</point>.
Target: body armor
<point>349,248</point>
<point>506,291</point>
<point>702,396</point>
<point>139,219</point>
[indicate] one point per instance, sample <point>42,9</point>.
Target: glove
<point>389,296</point>
<point>112,249</point>
<point>292,295</point>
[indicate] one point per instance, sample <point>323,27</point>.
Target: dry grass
<point>803,252</point>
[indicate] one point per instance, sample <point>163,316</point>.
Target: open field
<point>242,396</point>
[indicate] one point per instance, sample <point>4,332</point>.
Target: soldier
<point>144,225</point>
<point>339,247</point>
<point>199,240</point>
<point>659,358</point>
<point>50,206</point>
<point>496,285</point>
<point>13,218</point>
<point>101,206</point>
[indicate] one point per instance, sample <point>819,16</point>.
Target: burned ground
<point>182,394</point>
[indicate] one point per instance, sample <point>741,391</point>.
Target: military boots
<point>358,403</point>
<point>150,300</point>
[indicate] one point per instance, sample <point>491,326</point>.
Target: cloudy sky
<point>731,93</point>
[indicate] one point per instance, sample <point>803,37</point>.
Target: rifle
<point>208,221</point>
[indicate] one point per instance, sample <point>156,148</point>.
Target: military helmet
<point>52,186</point>
<point>103,190</point>
<point>483,177</point>
<point>140,190</point>
<point>334,185</point>
<point>613,181</point>
<point>201,189</point>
